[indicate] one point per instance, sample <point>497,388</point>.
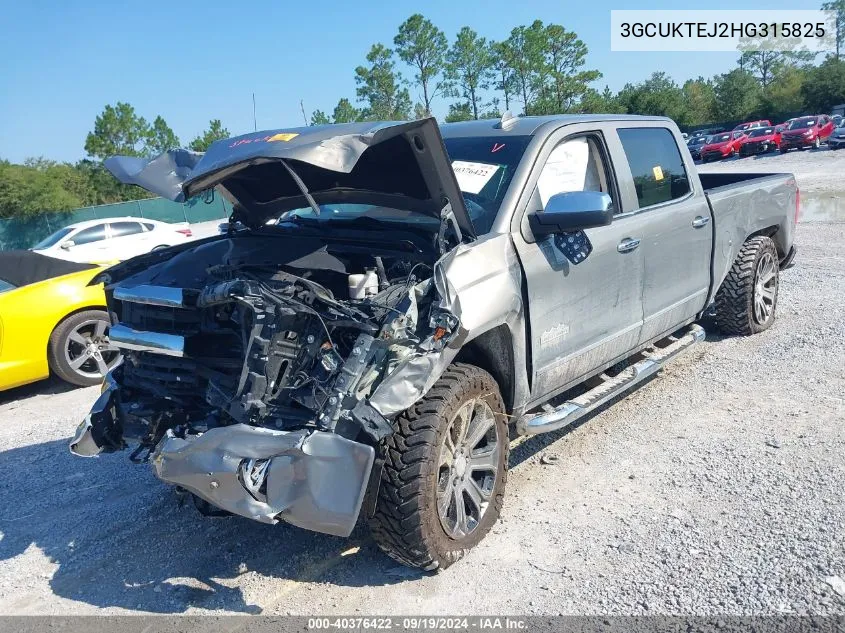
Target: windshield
<point>52,240</point>
<point>763,131</point>
<point>484,167</point>
<point>799,124</point>
<point>721,138</point>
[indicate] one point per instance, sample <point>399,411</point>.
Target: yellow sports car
<point>51,320</point>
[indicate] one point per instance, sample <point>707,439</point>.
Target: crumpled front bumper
<point>312,479</point>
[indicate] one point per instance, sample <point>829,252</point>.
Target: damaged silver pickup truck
<point>389,302</point>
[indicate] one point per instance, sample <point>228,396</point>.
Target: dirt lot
<point>718,487</point>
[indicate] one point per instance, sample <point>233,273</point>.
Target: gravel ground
<point>717,488</point>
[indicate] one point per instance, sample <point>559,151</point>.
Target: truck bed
<point>744,204</point>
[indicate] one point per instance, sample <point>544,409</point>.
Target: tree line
<point>40,185</point>
<point>538,69</point>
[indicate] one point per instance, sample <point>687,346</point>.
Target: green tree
<point>215,132</point>
<point>604,102</point>
<point>658,95</point>
<point>737,95</point>
<point>469,67</point>
<point>700,99</point>
<point>422,45</point>
<point>824,86</point>
<point>160,138</point>
<point>318,117</point>
<point>524,53</point>
<point>565,57</point>
<point>345,112</point>
<point>784,97</point>
<point>36,187</point>
<point>460,112</point>
<point>837,7</point>
<point>118,130</point>
<point>380,87</point>
<point>505,78</point>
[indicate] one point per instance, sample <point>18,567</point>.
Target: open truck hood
<point>399,165</point>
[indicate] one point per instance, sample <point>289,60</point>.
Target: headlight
<point>808,132</point>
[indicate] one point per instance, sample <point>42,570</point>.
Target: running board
<point>552,419</point>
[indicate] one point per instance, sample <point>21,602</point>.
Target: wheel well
<point>493,352</point>
<point>769,231</point>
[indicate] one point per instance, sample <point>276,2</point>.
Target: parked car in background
<point>759,141</point>
<point>695,144</point>
<point>837,139</point>
<point>52,321</point>
<point>805,132</point>
<point>837,120</point>
<point>112,239</point>
<point>722,145</point>
<point>748,125</point>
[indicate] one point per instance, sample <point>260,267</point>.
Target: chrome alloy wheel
<point>468,468</point>
<point>88,351</point>
<point>765,288</point>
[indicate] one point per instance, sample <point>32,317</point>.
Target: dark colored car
<point>722,145</point>
<point>805,132</point>
<point>695,144</point>
<point>760,140</point>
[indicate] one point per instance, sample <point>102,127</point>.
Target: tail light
<point>185,232</point>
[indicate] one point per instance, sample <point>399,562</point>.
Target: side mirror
<point>572,211</point>
<point>66,245</point>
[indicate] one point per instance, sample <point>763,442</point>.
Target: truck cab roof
<point>530,125</point>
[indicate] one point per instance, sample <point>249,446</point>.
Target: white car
<point>111,239</point>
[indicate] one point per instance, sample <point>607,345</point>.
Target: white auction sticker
<point>473,176</point>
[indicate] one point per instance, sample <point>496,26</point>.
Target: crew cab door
<point>673,225</point>
<point>581,317</point>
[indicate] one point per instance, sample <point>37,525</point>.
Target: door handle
<point>700,221</point>
<point>628,244</point>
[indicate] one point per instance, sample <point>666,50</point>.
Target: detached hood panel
<point>399,165</point>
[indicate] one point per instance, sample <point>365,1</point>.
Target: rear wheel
<point>746,301</point>
<point>79,351</point>
<point>445,470</point>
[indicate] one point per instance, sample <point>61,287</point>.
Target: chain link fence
<point>25,232</point>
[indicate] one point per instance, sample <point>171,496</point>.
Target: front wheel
<point>79,351</point>
<point>747,298</point>
<point>817,143</point>
<point>445,470</point>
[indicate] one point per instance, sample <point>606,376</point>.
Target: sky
<point>191,61</point>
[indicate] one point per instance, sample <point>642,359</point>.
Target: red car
<point>806,131</point>
<point>748,125</point>
<point>722,145</point>
<point>760,140</point>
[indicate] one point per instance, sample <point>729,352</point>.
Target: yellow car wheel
<point>80,352</point>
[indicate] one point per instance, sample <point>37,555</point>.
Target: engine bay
<point>274,332</point>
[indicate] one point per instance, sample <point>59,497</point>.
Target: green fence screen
<point>24,232</point>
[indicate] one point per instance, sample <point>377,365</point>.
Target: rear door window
<point>656,165</point>
<point>119,229</point>
<point>91,234</point>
